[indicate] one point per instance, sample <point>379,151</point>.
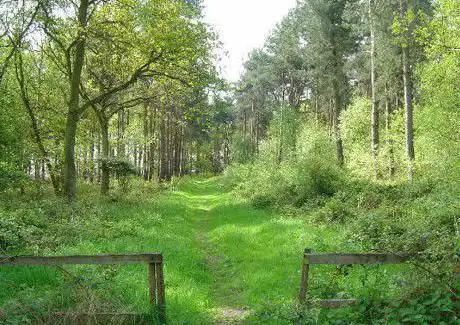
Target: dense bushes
<point>392,216</point>
<point>300,175</point>
<point>40,224</point>
<point>11,178</point>
<point>416,217</point>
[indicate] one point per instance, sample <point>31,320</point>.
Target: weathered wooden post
<point>157,288</point>
<point>161,291</point>
<point>304,279</point>
<point>152,284</point>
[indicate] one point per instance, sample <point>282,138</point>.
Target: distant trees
<point>96,86</point>
<point>327,54</point>
<point>78,65</point>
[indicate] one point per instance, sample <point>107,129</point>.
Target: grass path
<point>225,262</point>
<point>252,257</point>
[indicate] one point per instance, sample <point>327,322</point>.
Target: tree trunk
<point>105,177</point>
<point>74,104</point>
<point>43,170</point>
<point>69,171</point>
<point>177,149</point>
<point>145,166</point>
<point>152,142</point>
<point>91,158</point>
<point>335,121</point>
<point>391,158</point>
<point>98,167</point>
<point>183,151</point>
<point>280,140</point>
<point>375,112</point>
<point>407,82</point>
<point>121,131</point>
<point>163,149</point>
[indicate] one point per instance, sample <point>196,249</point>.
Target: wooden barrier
<point>310,258</point>
<point>153,260</point>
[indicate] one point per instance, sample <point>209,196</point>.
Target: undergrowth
<point>420,217</point>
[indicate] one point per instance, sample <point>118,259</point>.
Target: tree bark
<point>407,82</point>
<point>374,112</point>
<point>163,149</point>
<point>152,142</point>
<point>145,166</point>
<point>105,177</point>
<point>91,158</point>
<point>336,124</point>
<point>74,104</point>
<point>121,150</point>
<point>391,158</point>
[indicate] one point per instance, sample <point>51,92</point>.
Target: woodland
<point>118,134</point>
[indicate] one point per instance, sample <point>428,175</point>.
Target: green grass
<point>223,259</point>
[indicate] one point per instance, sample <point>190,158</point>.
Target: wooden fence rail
<point>310,258</point>
<point>153,260</point>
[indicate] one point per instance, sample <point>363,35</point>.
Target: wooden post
<point>161,292</point>
<point>152,284</point>
<point>304,279</point>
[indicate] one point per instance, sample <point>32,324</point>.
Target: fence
<point>310,258</point>
<point>155,268</point>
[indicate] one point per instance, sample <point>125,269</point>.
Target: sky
<point>243,25</point>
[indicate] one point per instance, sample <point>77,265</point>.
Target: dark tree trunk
<point>43,170</point>
<point>145,166</point>
<point>74,104</point>
<point>152,142</point>
<point>183,156</point>
<point>121,131</point>
<point>92,157</point>
<point>105,177</point>
<point>177,149</point>
<point>98,148</point>
<point>375,111</point>
<point>69,171</point>
<point>335,121</point>
<point>391,158</point>
<point>163,148</point>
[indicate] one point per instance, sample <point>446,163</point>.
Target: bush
<point>11,178</point>
<point>122,170</point>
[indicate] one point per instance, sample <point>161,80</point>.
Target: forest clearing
<point>148,175</point>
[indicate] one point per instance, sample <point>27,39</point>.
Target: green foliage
<point>287,313</point>
<point>11,178</point>
<point>122,169</point>
<point>438,134</point>
<point>241,149</point>
<point>416,307</point>
<point>420,217</point>
<point>301,176</point>
<point>355,131</point>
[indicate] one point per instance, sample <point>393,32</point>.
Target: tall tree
<point>328,42</point>
<point>407,83</point>
<point>375,112</point>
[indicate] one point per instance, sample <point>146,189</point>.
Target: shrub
<point>11,178</point>
<point>123,170</point>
